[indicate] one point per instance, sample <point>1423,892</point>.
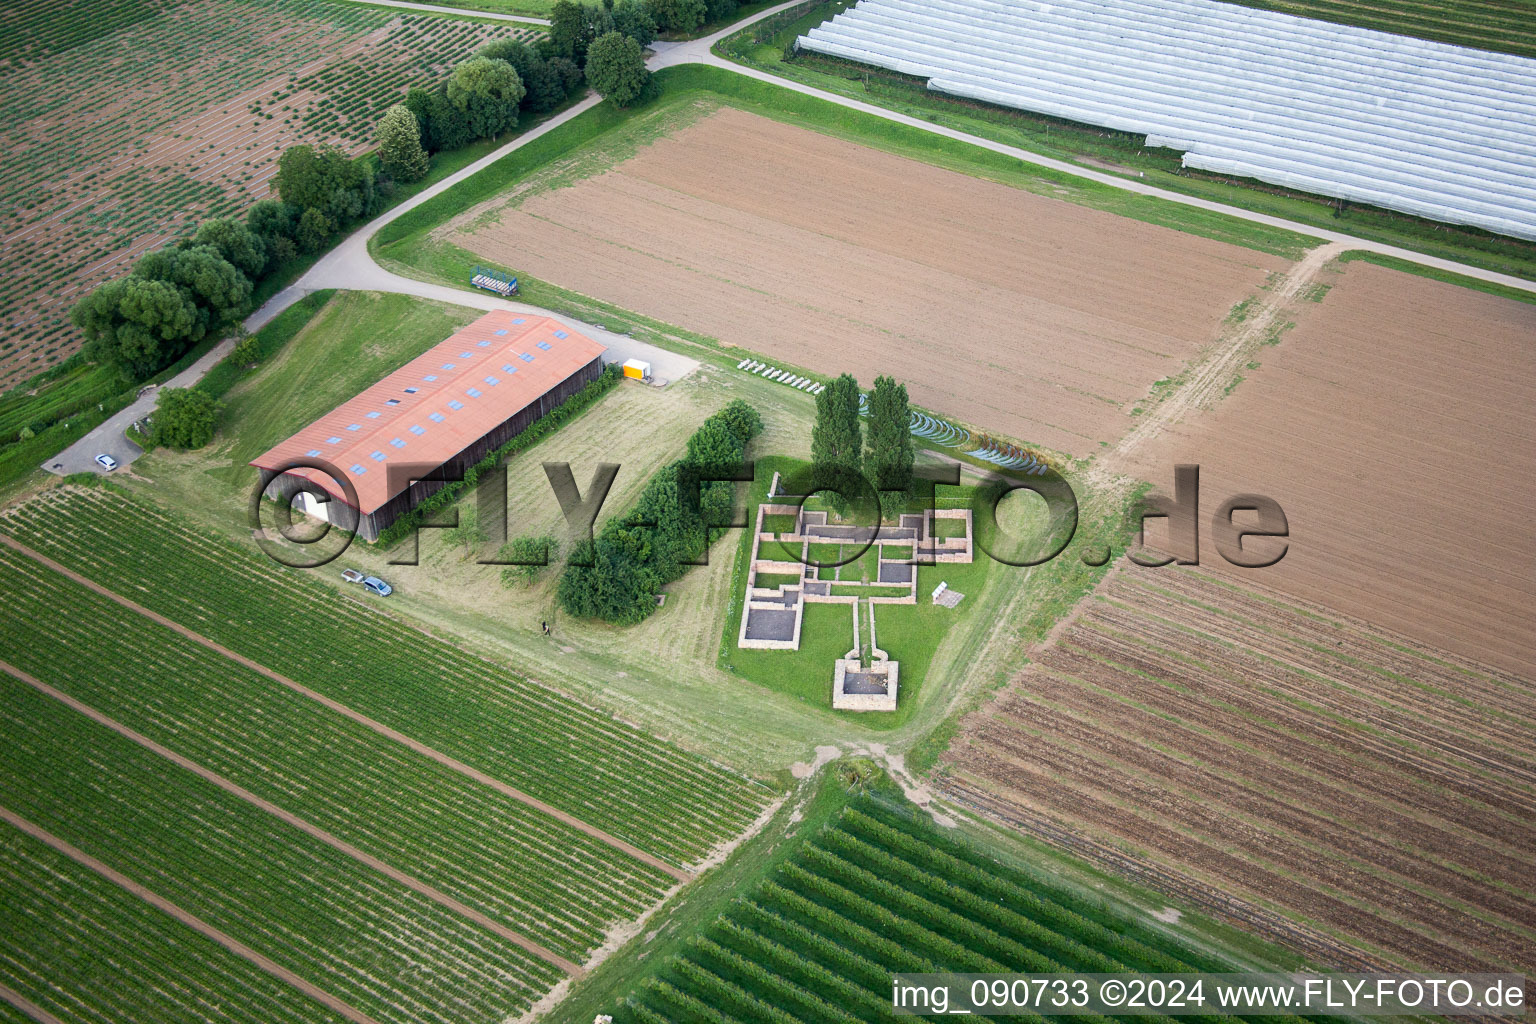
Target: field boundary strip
<point>681,874</point>
<point>165,906</point>
<point>27,1006</point>
<point>308,828</point>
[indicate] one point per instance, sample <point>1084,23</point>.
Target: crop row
<point>535,874</point>
<point>606,773</point>
<point>1478,23</point>
<point>118,140</point>
<point>878,893</point>
<point>83,949</point>
<point>389,952</point>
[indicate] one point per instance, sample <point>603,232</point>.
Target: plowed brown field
<point>1233,744</point>
<point>1028,316</point>
<point>1395,427</point>
<point>119,143</point>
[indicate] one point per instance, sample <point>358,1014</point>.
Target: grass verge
<point>767,46</point>
<point>401,240</point>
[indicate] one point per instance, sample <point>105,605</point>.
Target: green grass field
<point>487,850</point>
<point>60,922</point>
<point>356,933</point>
<point>615,777</point>
<point>910,634</point>
<point>1506,22</point>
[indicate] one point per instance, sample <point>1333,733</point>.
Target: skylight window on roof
<point>313,453</point>
<point>473,392</point>
<point>544,345</point>
<point>418,429</point>
<point>359,470</point>
<point>392,401</point>
<point>501,332</point>
<point>430,376</point>
<point>455,405</point>
<point>520,320</point>
<point>465,355</point>
<point>396,442</point>
<point>447,366</point>
<point>354,426</point>
<point>373,415</point>
<point>483,344</point>
<point>492,381</point>
<point>526,357</point>
<point>411,391</point>
<point>436,417</point>
<point>562,334</point>
<point>333,440</point>
<point>377,456</point>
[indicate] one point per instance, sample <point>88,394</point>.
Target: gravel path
<point>350,265</point>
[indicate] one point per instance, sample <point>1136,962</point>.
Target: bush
<point>314,230</point>
<point>616,69</point>
<point>246,353</point>
<point>615,576</point>
<point>679,15</point>
<point>534,555</point>
<point>184,418</point>
<point>488,92</point>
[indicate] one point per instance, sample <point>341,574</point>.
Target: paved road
<point>109,438</point>
<point>350,265</point>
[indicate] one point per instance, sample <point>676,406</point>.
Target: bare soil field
<point>1226,744</point>
<point>120,140</point>
<point>1394,426</point>
<point>1028,316</point>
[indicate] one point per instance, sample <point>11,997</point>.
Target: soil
<point>135,161</point>
<point>1243,747</point>
<point>1394,426</point>
<point>1029,316</point>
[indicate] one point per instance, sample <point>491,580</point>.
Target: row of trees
<point>573,26</point>
<point>175,297</point>
<point>616,576</point>
<point>839,449</point>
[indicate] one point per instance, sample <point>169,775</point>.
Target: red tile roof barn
<point>439,403</point>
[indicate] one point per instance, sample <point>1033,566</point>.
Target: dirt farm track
<point>1038,319</point>
<point>1394,426</point>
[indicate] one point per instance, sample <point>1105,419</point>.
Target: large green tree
<point>235,242</point>
<point>327,180</point>
<point>399,139</point>
<point>488,92</point>
<point>836,439</point>
<point>888,457</point>
<point>136,325</point>
<point>635,19</point>
<point>616,69</point>
<point>216,287</point>
<point>184,418</point>
<point>679,15</point>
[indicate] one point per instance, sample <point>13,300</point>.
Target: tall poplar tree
<point>836,439</point>
<point>888,459</point>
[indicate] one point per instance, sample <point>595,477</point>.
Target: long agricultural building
<point>1437,131</point>
<point>446,409</point>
